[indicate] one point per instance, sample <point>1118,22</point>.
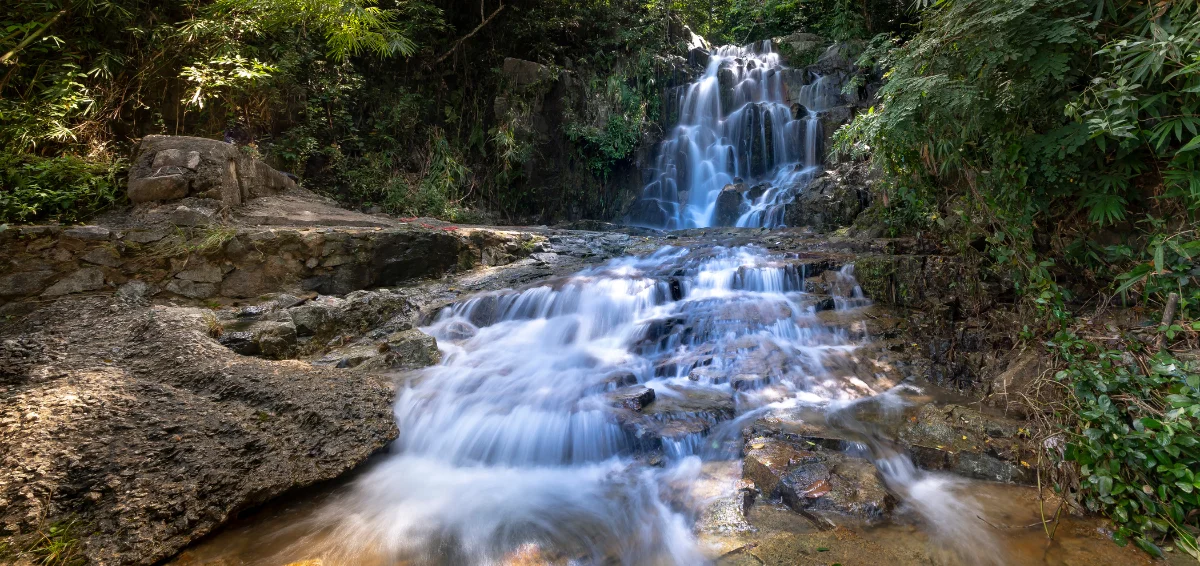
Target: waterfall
<point>524,434</point>
<point>740,126</point>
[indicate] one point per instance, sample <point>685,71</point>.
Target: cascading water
<point>739,126</point>
<point>537,429</point>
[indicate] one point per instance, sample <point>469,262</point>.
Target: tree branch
<point>468,36</point>
<point>33,36</point>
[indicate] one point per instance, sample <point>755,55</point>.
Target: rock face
<point>149,434</point>
<point>729,204</point>
<point>206,262</point>
<point>175,167</point>
<point>830,202</point>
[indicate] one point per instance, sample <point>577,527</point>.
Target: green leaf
<point>1149,547</point>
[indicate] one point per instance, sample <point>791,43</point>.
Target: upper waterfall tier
<point>739,125</point>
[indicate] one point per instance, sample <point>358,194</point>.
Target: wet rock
<point>412,349</point>
<point>768,461</point>
<point>815,478</point>
<point>459,330</point>
<point>831,120</point>
<point>750,382</point>
<point>729,204</point>
<point>24,283</point>
<point>968,442</point>
<point>677,419</point>
<point>400,256</point>
<point>709,374</point>
<point>727,513</point>
<point>837,57</point>
<point>633,398</point>
<point>829,203</point>
<point>81,281</point>
<point>726,83</point>
<point>405,350</point>
<point>833,481</point>
<point>757,191</point>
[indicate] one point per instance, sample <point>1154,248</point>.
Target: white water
<point>514,439</point>
<point>516,449</point>
<point>736,124</point>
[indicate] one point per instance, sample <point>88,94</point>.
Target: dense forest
<point>1055,139</point>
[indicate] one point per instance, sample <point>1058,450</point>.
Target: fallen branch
<point>468,36</point>
<point>1168,318</point>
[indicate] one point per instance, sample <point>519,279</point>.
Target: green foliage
<point>613,124</point>
<point>350,27</point>
<point>1136,443</point>
<point>65,188</point>
<point>57,545</point>
<point>1169,266</point>
<point>1031,120</point>
<point>745,21</point>
<point>994,99</point>
<point>230,74</point>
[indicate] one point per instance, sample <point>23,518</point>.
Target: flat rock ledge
<point>128,426</point>
<point>217,261</point>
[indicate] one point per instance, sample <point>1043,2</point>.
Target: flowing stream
<point>596,418</point>
<point>576,416</point>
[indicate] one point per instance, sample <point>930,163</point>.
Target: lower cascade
<point>595,418</point>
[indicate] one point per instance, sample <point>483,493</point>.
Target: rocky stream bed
<point>734,396</point>
<point>235,371</point>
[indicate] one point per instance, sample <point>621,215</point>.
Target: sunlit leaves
<point>209,78</point>
<point>350,27</point>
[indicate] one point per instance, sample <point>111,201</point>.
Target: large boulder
<point>729,205</point>
<point>800,49</point>
<point>175,167</point>
<point>815,478</point>
<point>829,202</point>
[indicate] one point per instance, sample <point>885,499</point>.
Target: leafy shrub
<point>612,128</point>
<point>64,188</point>
<point>1137,441</point>
<point>1037,119</point>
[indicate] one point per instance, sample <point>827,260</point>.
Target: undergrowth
<point>1062,139</point>
<point>1120,415</point>
<point>56,544</point>
<point>64,189</point>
